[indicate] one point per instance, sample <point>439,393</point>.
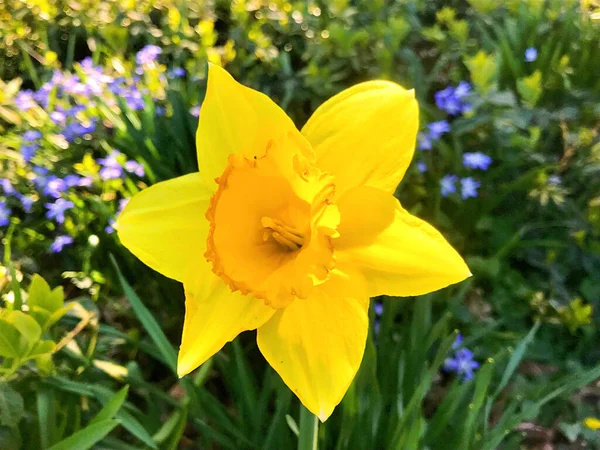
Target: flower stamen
<point>283,234</point>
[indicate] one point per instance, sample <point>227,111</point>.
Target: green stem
<point>309,426</point>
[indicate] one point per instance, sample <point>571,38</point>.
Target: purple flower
<point>457,342</point>
<point>59,243</point>
<point>76,180</point>
<point>176,72</point>
<point>26,203</point>
<point>424,142</point>
<point>135,167</point>
<point>195,111</point>
<point>31,135</point>
<point>54,186</point>
<point>24,100</point>
<point>476,160</point>
<point>111,167</point>
<point>7,186</point>
<point>451,99</point>
<point>40,177</point>
<point>531,54</point>
<point>57,209</point>
<point>437,129</point>
<point>4,214</point>
<point>421,166</point>
<point>378,308</point>
<point>42,95</point>
<point>448,185</point>
<point>111,223</point>
<point>462,364</point>
<point>147,54</point>
<point>78,129</point>
<point>28,150</point>
<point>468,188</point>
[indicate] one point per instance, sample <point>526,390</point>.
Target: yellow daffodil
<point>290,232</point>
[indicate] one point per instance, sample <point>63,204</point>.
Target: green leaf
<point>88,437</point>
<point>46,411</point>
<point>112,406</point>
<point>11,406</point>
<point>24,323</point>
<point>41,295</point>
<point>152,327</point>
<point>41,348</point>
<point>9,340</point>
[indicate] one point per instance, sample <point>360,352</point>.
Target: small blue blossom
<point>531,54</point>
<point>195,111</point>
<point>4,214</point>
<point>54,186</point>
<point>437,129</point>
<point>135,168</point>
<point>148,54</point>
<point>457,342</point>
<point>29,150</point>
<point>177,72</point>
<point>31,135</point>
<point>476,160</point>
<point>111,167</point>
<point>77,181</point>
<point>7,186</point>
<point>57,209</point>
<point>378,308</point>
<point>421,166</point>
<point>554,180</point>
<point>25,101</point>
<point>111,223</point>
<point>452,99</point>
<point>462,364</point>
<point>40,177</point>
<point>78,129</point>
<point>424,142</point>
<point>60,242</point>
<point>468,187</point>
<point>26,203</point>
<point>448,185</point>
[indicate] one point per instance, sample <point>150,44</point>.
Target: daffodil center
<point>289,238</point>
<point>272,222</point>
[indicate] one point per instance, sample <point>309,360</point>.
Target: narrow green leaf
<point>148,321</point>
<point>46,411</point>
<point>86,438</point>
<point>112,406</point>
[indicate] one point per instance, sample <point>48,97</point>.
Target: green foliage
<point>531,235</point>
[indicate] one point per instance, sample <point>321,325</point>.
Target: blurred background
<point>100,99</point>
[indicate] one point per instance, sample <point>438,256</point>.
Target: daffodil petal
<point>214,316</point>
<point>316,345</point>
<point>365,135</point>
<point>235,119</point>
<point>164,225</point>
<point>397,253</point>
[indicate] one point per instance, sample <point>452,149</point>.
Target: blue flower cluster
<point>453,99</point>
<point>462,363</point>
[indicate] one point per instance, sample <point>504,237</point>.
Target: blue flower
<point>57,209</point>
<point>195,111</point>
<point>421,166</point>
<point>476,160</point>
<point>452,99</point>
<point>31,135</point>
<point>7,186</point>
<point>135,167</point>
<point>60,242</point>
<point>177,72</point>
<point>77,181</point>
<point>111,167</point>
<point>448,185</point>
<point>54,186</point>
<point>468,188</point>
<point>437,129</point>
<point>160,110</point>
<point>4,214</point>
<point>424,142</point>
<point>462,364</point>
<point>28,150</point>
<point>378,308</point>
<point>78,129</point>
<point>554,180</point>
<point>147,54</point>
<point>24,100</point>
<point>531,54</point>
<point>457,342</point>
<point>26,202</point>
<point>40,177</point>
<point>111,223</point>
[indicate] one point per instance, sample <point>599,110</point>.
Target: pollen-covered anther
<point>287,237</point>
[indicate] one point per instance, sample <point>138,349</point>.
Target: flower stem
<point>309,426</point>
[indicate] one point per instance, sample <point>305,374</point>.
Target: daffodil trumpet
<point>290,232</point>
